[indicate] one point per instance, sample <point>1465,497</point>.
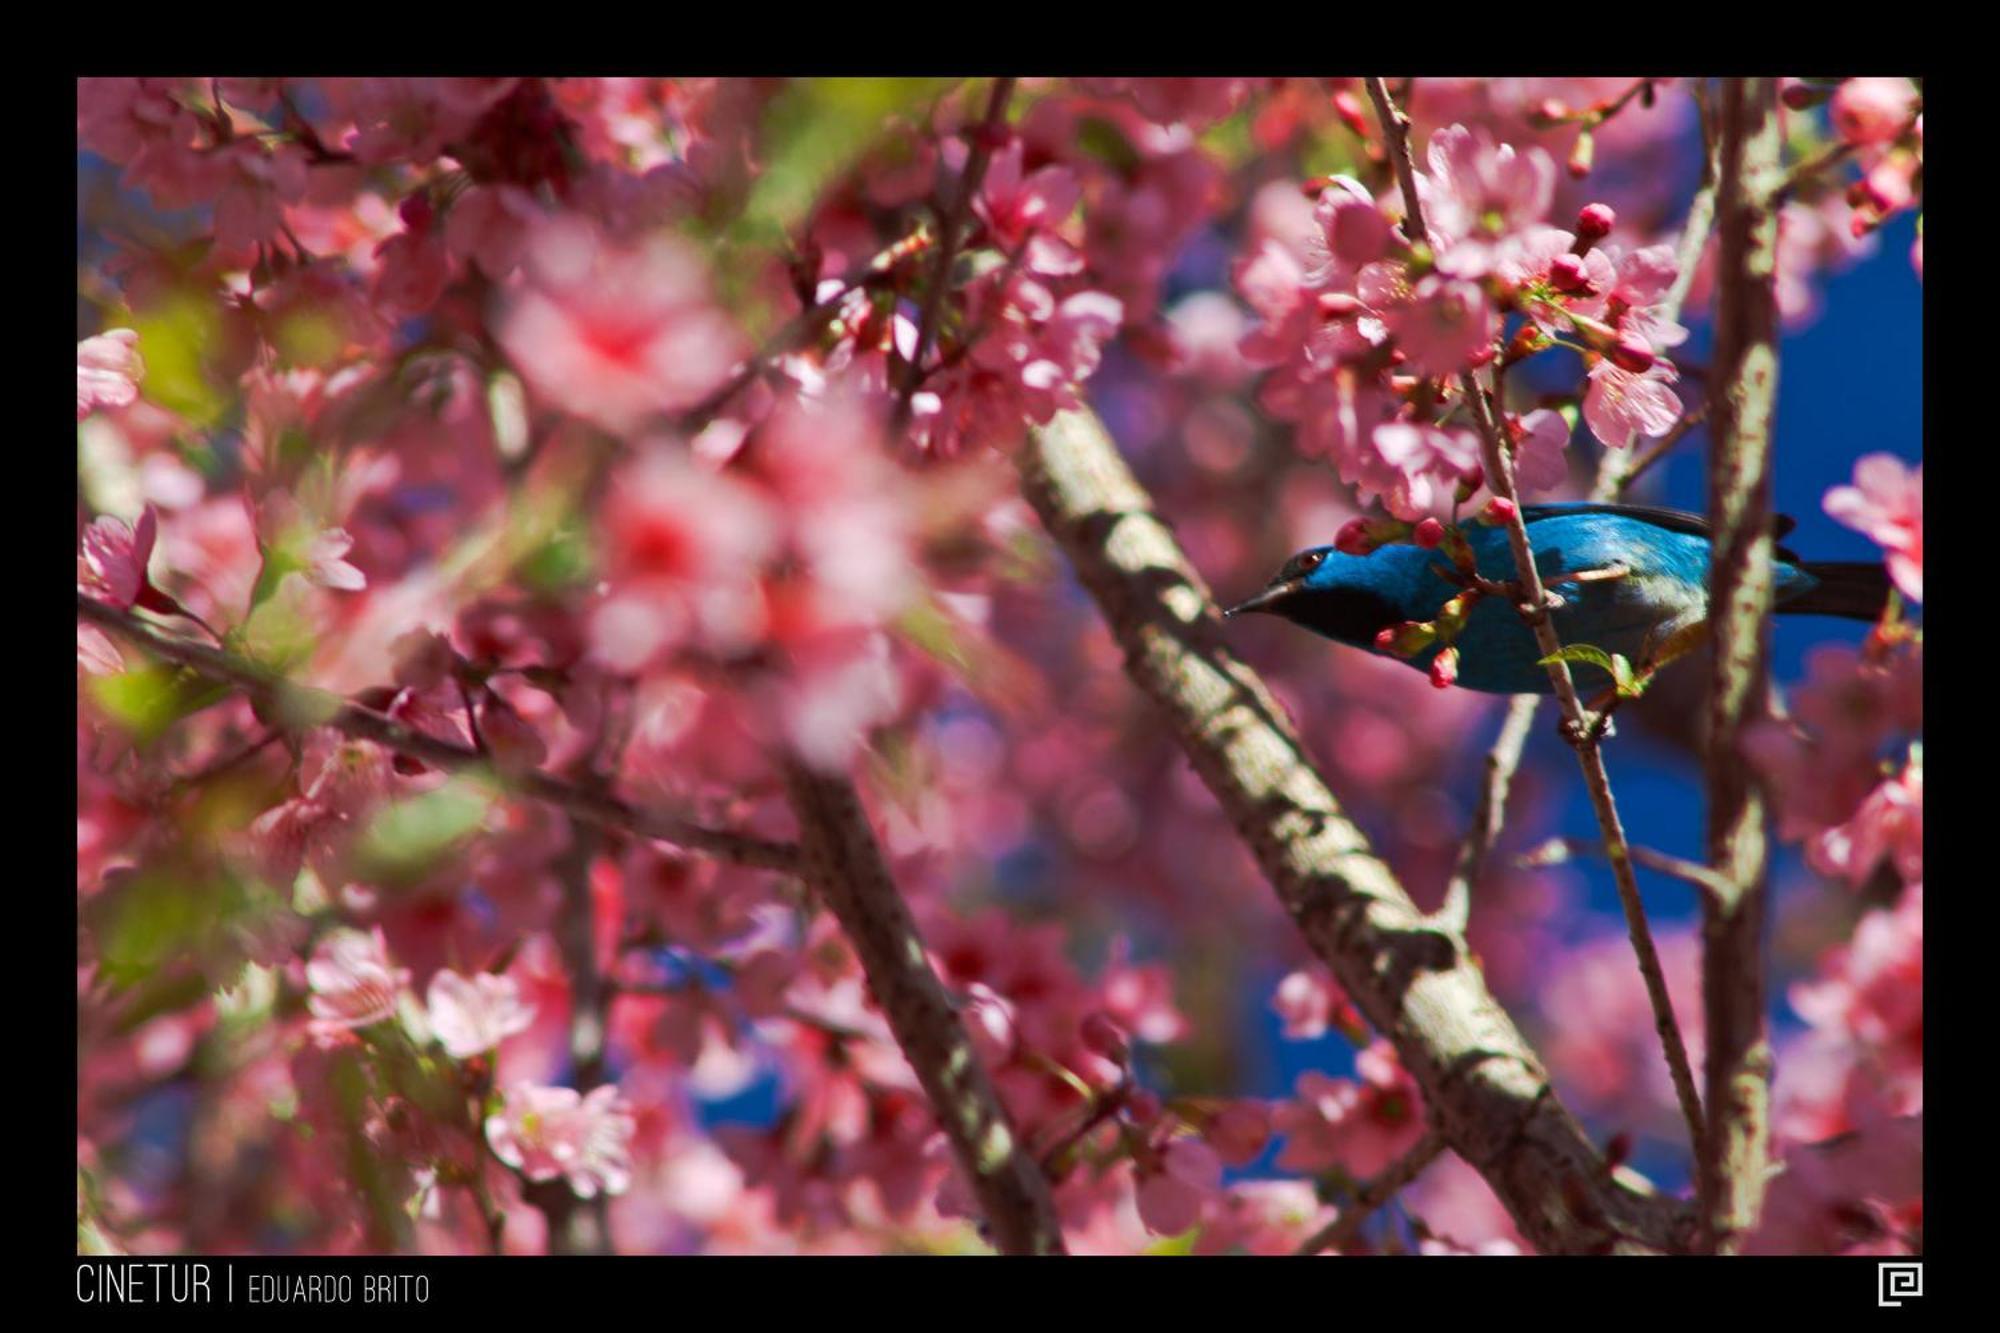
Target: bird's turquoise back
<point>1665,589</point>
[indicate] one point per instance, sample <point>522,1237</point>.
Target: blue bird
<point>1643,594</point>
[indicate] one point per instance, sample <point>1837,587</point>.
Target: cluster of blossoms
<point>1848,777</point>
<point>494,407</point>
<point>1367,333</point>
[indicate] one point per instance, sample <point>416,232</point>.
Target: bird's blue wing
<point>1673,520</point>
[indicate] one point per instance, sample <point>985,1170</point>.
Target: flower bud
<point>1498,512</point>
<point>1631,353</point>
<point>1407,639</point>
<point>1469,481</point>
<point>1339,305</point>
<point>1803,96</point>
<point>1567,274</point>
<point>1102,1034</point>
<point>1583,155</point>
<point>1451,616</point>
<point>1428,534</point>
<point>1142,1108</point>
<point>1594,222</point>
<point>1444,669</point>
<point>1348,107</point>
<point>1548,113</point>
<point>1361,536</point>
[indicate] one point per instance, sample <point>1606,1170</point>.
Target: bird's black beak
<point>1266,599</point>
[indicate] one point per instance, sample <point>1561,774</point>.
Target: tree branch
<point>1486,1091</point>
<point>844,862</point>
<point>1742,396</point>
<point>1534,608</point>
<point>1501,763</point>
<point>1340,1234</point>
<point>303,705</point>
<point>951,222</point>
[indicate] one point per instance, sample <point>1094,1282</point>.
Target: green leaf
<point>406,839</point>
<point>815,130</point>
<point>1581,652</point>
<point>1615,665</point>
<point>147,701</point>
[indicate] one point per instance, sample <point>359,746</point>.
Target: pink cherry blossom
<point>1172,1195</point>
<point>1309,1001</point>
<point>1444,326</point>
<point>545,1132</point>
<point>1016,205</point>
<point>472,1015</point>
<point>1540,461</point>
<point>617,335</point>
<point>354,985</point>
<point>1889,822</point>
<point>1886,501</point>
<point>111,564</point>
<point>1870,111</point>
<point>1621,407</point>
<point>108,371</point>
<point>1479,194</point>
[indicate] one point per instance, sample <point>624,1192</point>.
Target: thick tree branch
<point>1499,465</point>
<point>1742,396</point>
<point>303,705</point>
<point>845,863</point>
<point>1486,1091</point>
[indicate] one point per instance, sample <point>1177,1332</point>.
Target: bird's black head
<point>1344,597</point>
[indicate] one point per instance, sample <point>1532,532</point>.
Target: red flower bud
<point>1429,533</point>
<point>1631,353</point>
<point>1444,668</point>
<point>1499,512</point>
<point>1348,107</point>
<point>1339,305</point>
<point>1102,1034</point>
<point>1353,538</point>
<point>1594,222</point>
<point>1567,274</point>
<point>416,211</point>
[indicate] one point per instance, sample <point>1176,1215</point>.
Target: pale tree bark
<point>1487,1093</point>
<point>1742,397</point>
<point>845,864</point>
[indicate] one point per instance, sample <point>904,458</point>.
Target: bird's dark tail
<point>1857,590</point>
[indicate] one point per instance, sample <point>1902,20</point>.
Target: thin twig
<point>307,706</point>
<point>1340,1234</point>
<point>844,862</point>
<point>1742,398</point>
<point>1501,763</point>
<point>1396,142</point>
<point>1803,172</point>
<point>791,335</point>
<point>1557,850</point>
<point>951,223</point>
<point>1660,448</point>
<point>1534,609</point>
